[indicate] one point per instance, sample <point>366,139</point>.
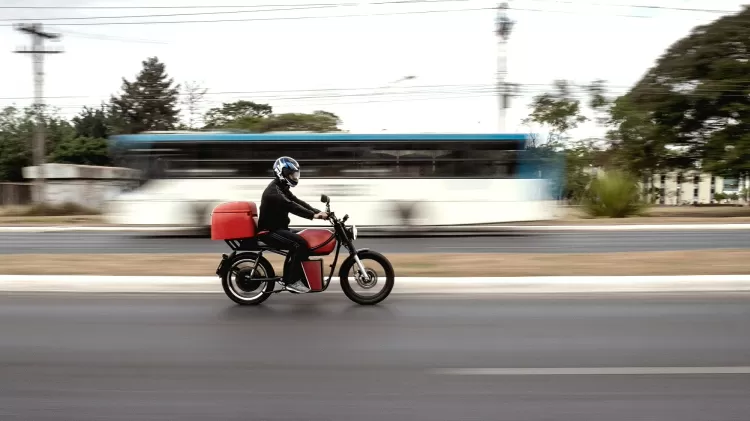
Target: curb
<point>504,285</point>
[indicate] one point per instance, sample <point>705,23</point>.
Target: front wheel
<point>379,272</point>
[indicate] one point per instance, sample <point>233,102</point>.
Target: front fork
<point>362,271</point>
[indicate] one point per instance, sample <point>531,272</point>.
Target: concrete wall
<point>15,194</point>
<point>88,186</point>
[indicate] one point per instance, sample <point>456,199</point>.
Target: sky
<point>411,66</point>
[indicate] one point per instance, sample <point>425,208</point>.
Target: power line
<point>231,12</point>
<point>229,6</point>
<point>156,7</point>
<point>244,9</point>
<point>642,6</point>
<point>411,90</point>
<point>331,91</point>
<point>269,18</point>
<point>408,96</point>
<point>277,18</point>
<point>432,97</point>
<point>281,91</point>
<point>441,97</point>
<point>101,37</point>
<point>223,6</point>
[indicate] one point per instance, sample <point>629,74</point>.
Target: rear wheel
<point>248,293</point>
<point>378,280</point>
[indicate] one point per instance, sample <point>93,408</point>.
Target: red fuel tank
<point>315,237</point>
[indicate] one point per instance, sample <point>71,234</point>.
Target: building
<point>687,188</point>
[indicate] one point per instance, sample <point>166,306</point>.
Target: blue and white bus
<point>381,180</point>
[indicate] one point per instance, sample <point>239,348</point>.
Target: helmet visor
<point>294,176</point>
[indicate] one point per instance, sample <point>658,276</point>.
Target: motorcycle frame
<point>339,234</point>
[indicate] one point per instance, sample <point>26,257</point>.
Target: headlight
<point>353,232</point>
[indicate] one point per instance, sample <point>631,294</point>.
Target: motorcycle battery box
<point>234,221</point>
<point>313,270</point>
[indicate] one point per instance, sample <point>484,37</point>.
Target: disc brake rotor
<point>370,281</point>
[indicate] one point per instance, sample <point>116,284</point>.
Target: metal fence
<point>15,194</point>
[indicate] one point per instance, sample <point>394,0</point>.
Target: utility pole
<point>37,51</point>
<point>503,27</point>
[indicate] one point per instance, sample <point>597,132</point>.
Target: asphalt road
<point>324,359</point>
<point>549,242</point>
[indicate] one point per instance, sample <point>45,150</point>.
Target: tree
<point>93,123</point>
<point>237,115</point>
<point>82,150</point>
<point>148,103</point>
<point>86,144</point>
<point>16,134</point>
<point>598,100</point>
<point>259,118</point>
<point>635,146</point>
<point>16,128</point>
<point>319,121</point>
<point>560,111</point>
<point>56,128</point>
<point>692,106</point>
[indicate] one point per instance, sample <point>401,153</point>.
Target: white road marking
<point>407,285</point>
<point>591,371</point>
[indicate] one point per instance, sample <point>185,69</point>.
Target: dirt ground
<point>707,262</point>
<point>699,211</point>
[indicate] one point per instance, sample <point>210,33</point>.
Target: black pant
<point>298,251</point>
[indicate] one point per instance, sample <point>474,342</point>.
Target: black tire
<point>390,278</point>
<point>268,272</point>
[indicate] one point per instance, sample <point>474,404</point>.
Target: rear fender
<point>225,264</point>
<point>228,260</point>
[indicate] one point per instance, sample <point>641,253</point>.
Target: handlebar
<point>331,216</point>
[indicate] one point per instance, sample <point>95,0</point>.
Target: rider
<point>275,205</point>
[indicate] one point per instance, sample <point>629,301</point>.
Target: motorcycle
<point>248,278</point>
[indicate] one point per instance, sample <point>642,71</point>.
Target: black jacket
<point>276,205</point>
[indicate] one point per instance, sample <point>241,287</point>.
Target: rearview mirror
<point>325,199</point>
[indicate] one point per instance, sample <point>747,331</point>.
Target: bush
<point>614,195</point>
